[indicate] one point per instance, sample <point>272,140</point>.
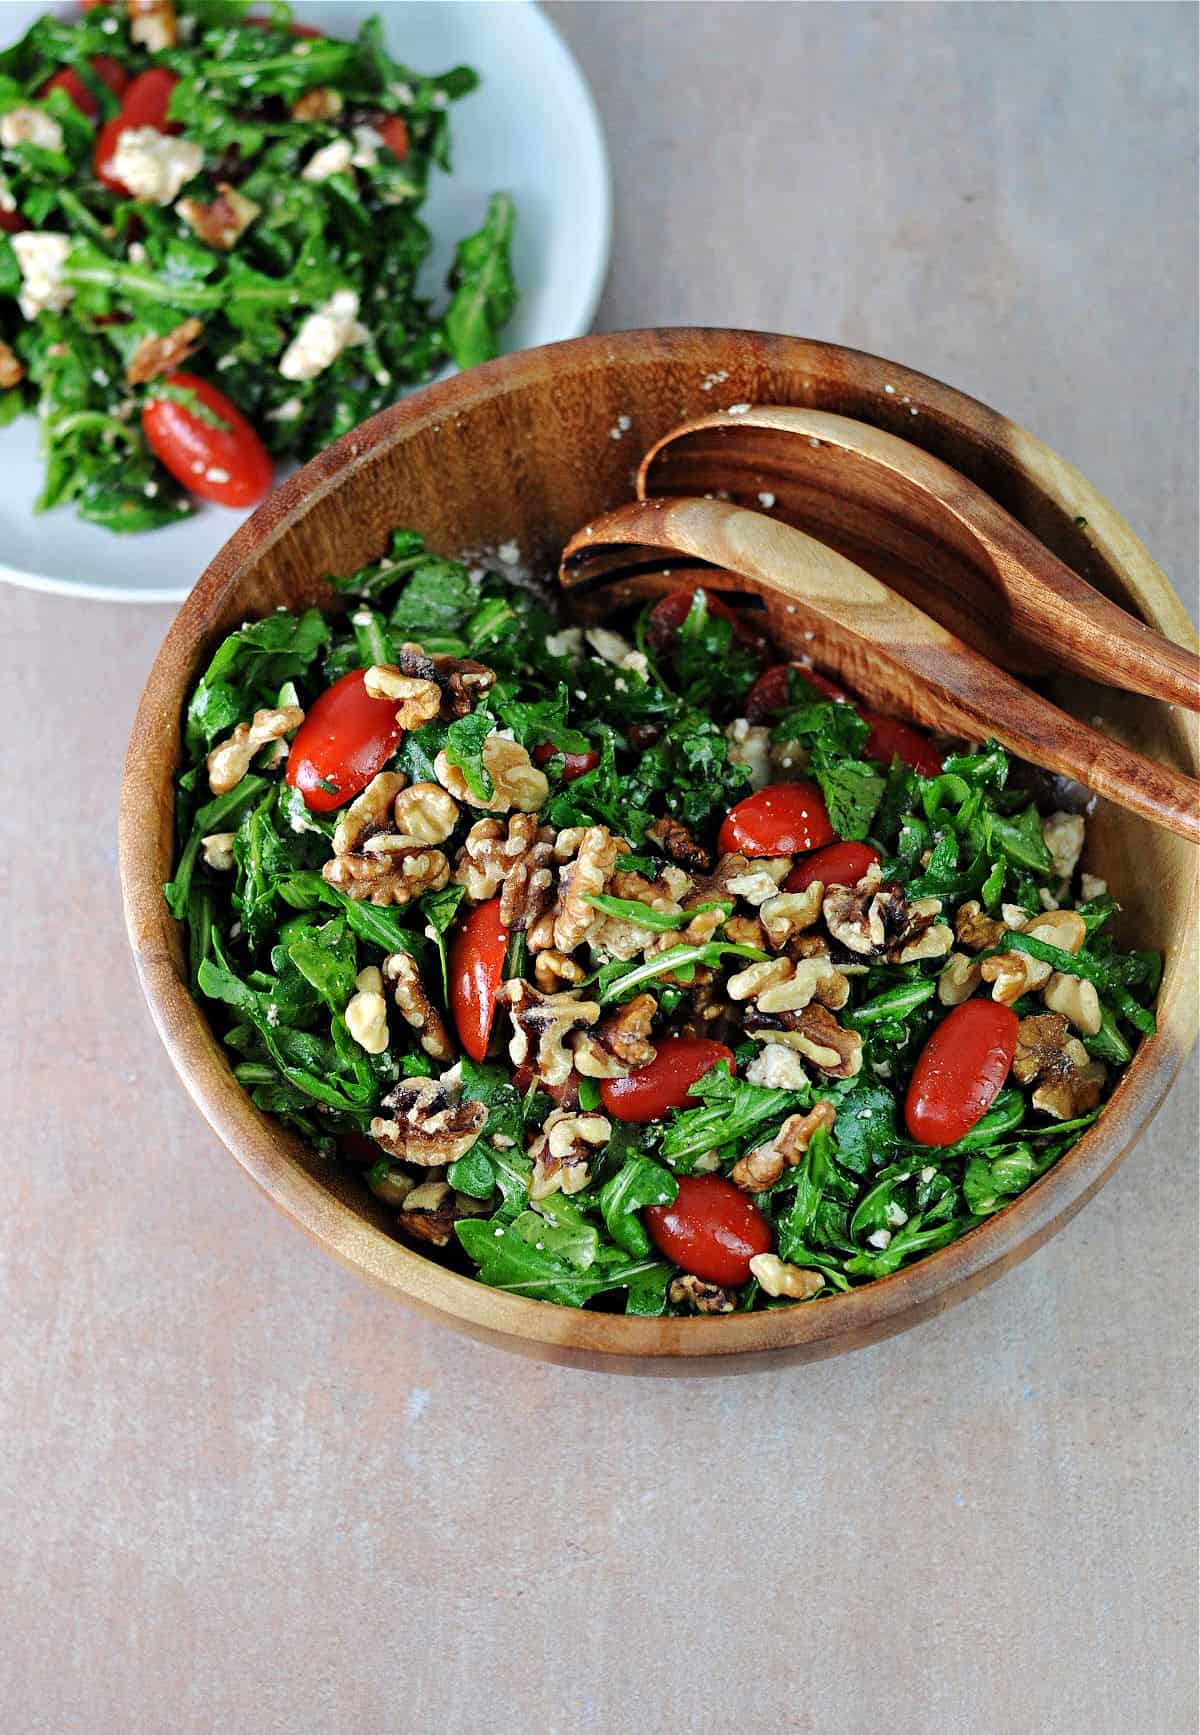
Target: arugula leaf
<point>485,292</point>
<point>438,599</point>
<point>639,1182</point>
<point>729,1111</point>
<point>465,740</point>
<point>508,1261</point>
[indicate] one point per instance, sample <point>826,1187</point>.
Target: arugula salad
<point>210,243</point>
<point>632,965</point>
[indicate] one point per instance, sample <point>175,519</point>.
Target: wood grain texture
<point>521,450</point>
<point>969,563</point>
<point>913,664</point>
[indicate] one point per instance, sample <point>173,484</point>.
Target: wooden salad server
<point>928,532</point>
<point>889,650</point>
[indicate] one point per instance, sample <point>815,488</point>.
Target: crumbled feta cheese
<point>750,744</point>
<point>150,490</point>
<point>403,94</point>
<point>367,143</point>
<point>326,332</point>
<point>99,376</point>
<point>567,643</point>
<point>136,254</point>
<point>290,410</point>
<point>29,126</point>
<point>881,1238</point>
<point>778,1068</point>
<point>225,362</point>
<point>1064,834</point>
<point>7,202</point>
<point>41,254</point>
<point>896,1215</point>
<point>927,1174</point>
<point>153,165</point>
<point>1091,886</point>
<point>637,664</point>
<point>609,645</point>
<point>509,553</point>
<point>332,159</point>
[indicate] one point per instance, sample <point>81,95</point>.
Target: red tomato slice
<point>769,694</point>
<point>890,738</point>
<point>782,819</point>
<point>11,222</point>
<point>394,134</point>
<point>107,70</point>
<point>574,764</point>
<point>960,1071</point>
<point>344,740</point>
<point>144,104</point>
<point>475,972</point>
<point>227,464</point>
<point>647,1094</point>
<point>667,616</point>
<point>841,864</point>
<point>712,1230</point>
<point>305,30</point>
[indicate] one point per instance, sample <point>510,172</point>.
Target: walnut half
<point>1069,1082</point>
<point>230,760</point>
<point>429,1125</point>
<point>402,976</point>
<point>562,1151</point>
<point>542,1023</point>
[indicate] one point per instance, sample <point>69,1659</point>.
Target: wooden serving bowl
<point>526,449</point>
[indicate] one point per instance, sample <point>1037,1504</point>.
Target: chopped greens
<point>552,1196</point>
<point>307,163</point>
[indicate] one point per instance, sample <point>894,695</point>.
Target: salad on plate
<point>631,965</point>
<point>210,243</point>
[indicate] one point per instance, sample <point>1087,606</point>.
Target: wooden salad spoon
<point>886,648</point>
<point>947,545</point>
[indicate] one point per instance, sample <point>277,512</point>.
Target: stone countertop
<point>239,1491</point>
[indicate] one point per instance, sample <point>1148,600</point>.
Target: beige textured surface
<point>240,1492</point>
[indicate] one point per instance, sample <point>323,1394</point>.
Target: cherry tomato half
<point>109,71</point>
<point>305,30</point>
<point>890,738</point>
<point>841,864</point>
<point>960,1071</point>
<point>574,764</point>
<point>647,1094</point>
<point>769,694</point>
<point>712,1230</point>
<point>344,740</point>
<point>782,819</point>
<point>475,972</point>
<point>227,464</point>
<point>667,616</point>
<point>144,104</point>
<point>11,222</point>
<point>394,134</point>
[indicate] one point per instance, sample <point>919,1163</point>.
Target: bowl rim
<point>271,1155</point>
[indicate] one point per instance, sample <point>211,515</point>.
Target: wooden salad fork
<point>889,650</point>
<point>928,532</point>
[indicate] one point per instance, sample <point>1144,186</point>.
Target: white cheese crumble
<point>367,145</point>
<point>1091,886</point>
<point>509,553</point>
<point>750,744</point>
<point>29,126</point>
<point>41,256</point>
<point>332,159</point>
<point>778,1068</point>
<point>136,254</point>
<point>290,410</point>
<point>567,643</point>
<point>609,646</point>
<point>1064,833</point>
<point>326,332</point>
<point>153,165</point>
<point>881,1238</point>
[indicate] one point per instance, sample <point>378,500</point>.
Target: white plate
<point>531,128</point>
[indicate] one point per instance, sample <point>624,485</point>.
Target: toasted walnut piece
<point>368,813</point>
<point>402,976</point>
<point>391,1183</point>
<point>1013,974</point>
<point>366,1012</point>
<point>217,848</point>
<point>777,1067</point>
<point>230,760</point>
<point>816,1034</point>
<point>746,931</point>
<point>762,1167</point>
<point>222,221</point>
<point>854,915</point>
<point>563,1150</point>
<point>789,913</point>
<point>12,371</point>
<point>156,355</point>
<point>516,781</point>
<point>552,969</point>
<point>461,681</point>
<point>1068,1081</point>
<point>528,888</point>
<point>788,984</point>
<point>700,1297</point>
<point>1076,1000</point>
<point>322,102</point>
<point>425,813</point>
<point>959,979</point>
<point>586,876</point>
<point>490,851</point>
<point>541,1025</point>
<point>975,930</point>
<point>619,1044</point>
<point>921,935</point>
<point>1064,834</point>
<point>668,891</point>
<point>430,1211</point>
<point>417,701</point>
<point>676,841</point>
<point>396,877</point>
<point>152,24</point>
<point>1065,929</point>
<point>758,881</point>
<point>775,1278</point>
<point>429,1125</point>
